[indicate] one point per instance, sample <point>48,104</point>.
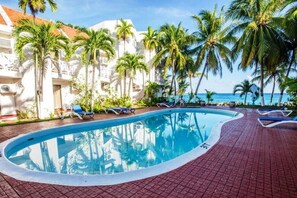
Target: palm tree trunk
<point>149,73</point>
<point>36,86</point>
<point>173,78</point>
<point>129,88</point>
<point>41,76</point>
<point>262,85</point>
<point>125,82</point>
<point>287,75</point>
<point>87,71</point>
<point>245,98</point>
<point>273,88</point>
<point>92,86</point>
<point>93,80</point>
<point>191,85</point>
<point>200,79</point>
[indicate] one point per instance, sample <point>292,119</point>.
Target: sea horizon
<point>227,97</point>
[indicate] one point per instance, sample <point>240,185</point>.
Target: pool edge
<point>95,180</point>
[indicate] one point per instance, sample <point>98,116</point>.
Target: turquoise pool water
<point>122,145</point>
<point>116,147</point>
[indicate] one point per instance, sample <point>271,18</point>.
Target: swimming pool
<point>114,151</point>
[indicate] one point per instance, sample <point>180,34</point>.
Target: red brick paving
<point>248,161</point>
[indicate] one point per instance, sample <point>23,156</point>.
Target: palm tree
<point>35,7</point>
<point>244,88</point>
<point>151,89</point>
<point>209,95</point>
<point>94,44</point>
<point>44,42</point>
<point>276,75</point>
<point>212,38</point>
<point>260,39</point>
<point>124,31</point>
<point>289,25</point>
<point>130,63</point>
<point>191,72</point>
<point>150,42</point>
<point>172,41</point>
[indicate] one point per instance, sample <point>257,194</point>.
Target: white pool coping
<point>12,170</point>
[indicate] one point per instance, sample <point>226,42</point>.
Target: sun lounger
<point>273,121</point>
<point>77,110</point>
<point>166,104</point>
<point>283,111</point>
<point>119,110</point>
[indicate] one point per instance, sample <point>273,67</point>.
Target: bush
<point>27,113</point>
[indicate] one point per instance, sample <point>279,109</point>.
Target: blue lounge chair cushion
<point>274,119</point>
<point>78,110</point>
<point>119,110</point>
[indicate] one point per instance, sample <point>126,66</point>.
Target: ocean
<point>227,97</point>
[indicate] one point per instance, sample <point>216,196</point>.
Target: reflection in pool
<point>136,145</point>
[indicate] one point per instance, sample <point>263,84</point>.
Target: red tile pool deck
<point>248,161</point>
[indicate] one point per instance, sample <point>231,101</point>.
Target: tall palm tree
<point>172,41</point>
<point>211,39</point>
<point>124,31</point>
<point>289,25</point>
<point>44,42</point>
<point>191,72</point>
<point>95,43</point>
<point>130,63</point>
<point>150,42</point>
<point>35,7</point>
<point>260,39</point>
<point>244,88</point>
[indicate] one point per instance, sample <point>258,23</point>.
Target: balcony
<point>5,43</point>
<point>105,75</point>
<point>9,66</point>
<point>64,70</point>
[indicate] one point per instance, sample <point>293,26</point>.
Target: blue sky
<point>143,14</point>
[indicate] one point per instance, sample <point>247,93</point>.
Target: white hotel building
<point>17,84</point>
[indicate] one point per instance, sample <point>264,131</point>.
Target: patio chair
<point>119,110</point>
<point>77,110</point>
<point>265,111</point>
<point>274,121</point>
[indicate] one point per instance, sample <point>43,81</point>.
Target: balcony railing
<point>105,73</point>
<point>5,43</point>
<point>9,65</point>
<point>63,68</point>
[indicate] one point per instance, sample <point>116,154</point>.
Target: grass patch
<point>3,124</point>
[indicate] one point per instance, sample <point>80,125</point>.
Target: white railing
<point>6,43</point>
<point>9,62</point>
<point>105,73</point>
<point>64,68</point>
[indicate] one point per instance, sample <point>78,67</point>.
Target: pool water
<point>99,149</point>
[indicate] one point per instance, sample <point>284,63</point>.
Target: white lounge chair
<point>285,112</point>
<point>273,121</point>
<point>166,104</point>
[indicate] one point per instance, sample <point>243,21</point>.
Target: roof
<point>15,16</point>
<point>2,21</point>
